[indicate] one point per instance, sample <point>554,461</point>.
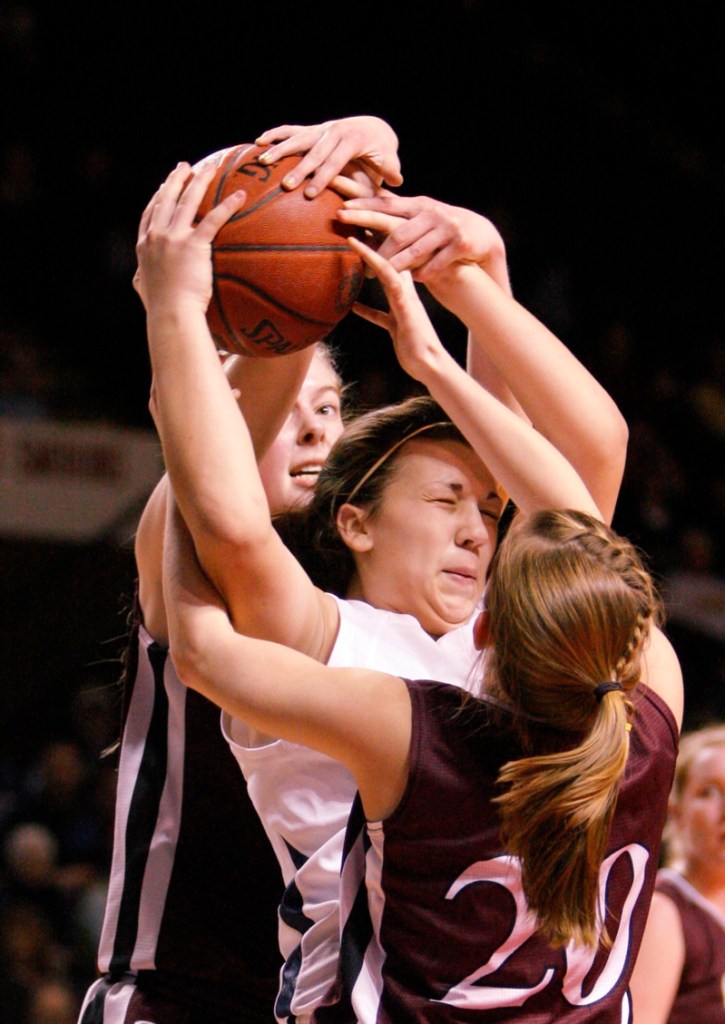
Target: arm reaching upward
<point>530,370</point>
<point>208,450</point>
<point>532,471</point>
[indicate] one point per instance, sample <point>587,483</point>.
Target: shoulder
<point>662,672</point>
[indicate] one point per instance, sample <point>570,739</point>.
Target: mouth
<point>306,475</point>
<point>466,577</point>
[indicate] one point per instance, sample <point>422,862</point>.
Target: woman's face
<point>699,815</point>
<point>426,549</point>
<point>290,468</point>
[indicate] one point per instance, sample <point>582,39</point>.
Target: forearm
<point>531,470</point>
<point>550,386</point>
<point>207,447</point>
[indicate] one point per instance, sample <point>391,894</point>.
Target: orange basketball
<point>283,274</point>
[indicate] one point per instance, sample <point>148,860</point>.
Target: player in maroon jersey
<point>680,973</point>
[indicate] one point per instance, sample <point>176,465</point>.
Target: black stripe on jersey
<point>290,910</point>
<point>288,983</point>
<point>142,817</point>
<point>93,1013</point>
<point>357,930</point>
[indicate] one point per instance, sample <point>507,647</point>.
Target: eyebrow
<point>457,488</point>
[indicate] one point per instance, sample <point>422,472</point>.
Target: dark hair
<point>311,533</point>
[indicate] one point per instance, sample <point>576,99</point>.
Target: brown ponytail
<point>570,605</point>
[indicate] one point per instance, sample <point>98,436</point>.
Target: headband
<point>393,448</point>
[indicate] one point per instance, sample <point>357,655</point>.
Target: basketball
<point>283,273</point>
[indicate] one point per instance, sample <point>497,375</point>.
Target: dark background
<point>591,134</point>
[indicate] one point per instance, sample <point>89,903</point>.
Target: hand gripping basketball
<point>284,275</point>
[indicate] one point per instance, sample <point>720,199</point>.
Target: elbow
<point>243,525</point>
<point>187,655</point>
<point>612,441</point>
<point>619,442</point>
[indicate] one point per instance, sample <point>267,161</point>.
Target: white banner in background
<point>74,482</point>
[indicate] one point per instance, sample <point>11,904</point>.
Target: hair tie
<point>601,688</point>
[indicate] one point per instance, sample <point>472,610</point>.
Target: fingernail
<point>311,191</point>
<point>263,157</point>
<point>290,181</point>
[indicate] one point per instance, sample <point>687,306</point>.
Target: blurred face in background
<point>699,814</point>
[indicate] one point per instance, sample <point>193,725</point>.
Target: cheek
<point>274,473</point>
<point>699,819</point>
<point>334,430</point>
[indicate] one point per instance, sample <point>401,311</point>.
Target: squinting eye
<point>491,515</point>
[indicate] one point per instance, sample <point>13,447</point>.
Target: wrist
<point>175,312</point>
<point>446,285</point>
<point>433,363</point>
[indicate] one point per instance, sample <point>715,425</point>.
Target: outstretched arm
<point>531,371</point>
<point>533,472</point>
<point>359,717</point>
<point>208,450</point>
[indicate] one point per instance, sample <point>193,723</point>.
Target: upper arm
<point>662,672</point>
<point>269,595</point>
<point>358,717</point>
<point>658,969</point>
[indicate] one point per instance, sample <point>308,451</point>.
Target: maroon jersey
<point>446,935</point>
<point>701,993</point>
<point>191,912</point>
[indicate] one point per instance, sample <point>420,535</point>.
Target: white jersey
<point>303,798</point>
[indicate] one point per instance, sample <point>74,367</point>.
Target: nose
<point>312,428</point>
<point>472,533</point>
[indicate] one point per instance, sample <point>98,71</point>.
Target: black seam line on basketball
<point>262,201</point>
<point>274,302</point>
<point>282,247</point>
<point>232,165</point>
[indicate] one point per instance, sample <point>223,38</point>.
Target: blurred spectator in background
<point>680,974</point>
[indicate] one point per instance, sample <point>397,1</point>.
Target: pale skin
<point>531,371</point>
<point>225,515</point>
<point>535,375</point>
<point>288,469</point>
<point>285,604</point>
<point>327,149</point>
<point>698,817</point>
<point>373,144</point>
<point>291,465</point>
<point>362,718</point>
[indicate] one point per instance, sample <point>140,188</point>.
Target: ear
<point>481,631</point>
<point>352,525</point>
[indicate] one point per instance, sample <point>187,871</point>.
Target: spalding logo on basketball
<point>283,273</point>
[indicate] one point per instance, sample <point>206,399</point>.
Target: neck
<point>355,590</point>
<point>709,882</point>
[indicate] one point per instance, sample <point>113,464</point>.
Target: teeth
<point>307,471</point>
